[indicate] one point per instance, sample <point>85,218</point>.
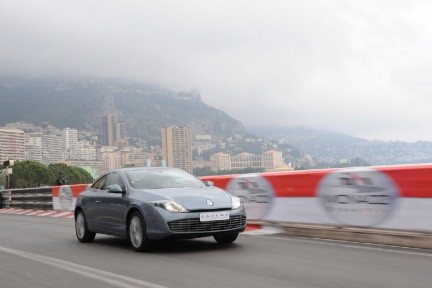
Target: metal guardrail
<point>32,198</point>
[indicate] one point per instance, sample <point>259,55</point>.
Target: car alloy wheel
<point>137,232</point>
<point>81,230</point>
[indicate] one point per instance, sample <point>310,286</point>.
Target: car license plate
<point>212,216</point>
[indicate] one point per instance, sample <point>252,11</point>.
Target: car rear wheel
<point>225,238</point>
<point>81,229</point>
<point>137,233</point>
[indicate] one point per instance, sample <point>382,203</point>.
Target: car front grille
<point>194,224</point>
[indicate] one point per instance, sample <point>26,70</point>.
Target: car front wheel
<point>137,233</point>
<point>225,238</point>
<point>81,229</point>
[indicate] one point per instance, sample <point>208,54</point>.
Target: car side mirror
<point>115,188</point>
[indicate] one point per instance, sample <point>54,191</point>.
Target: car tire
<point>137,233</point>
<point>81,230</point>
<point>225,238</point>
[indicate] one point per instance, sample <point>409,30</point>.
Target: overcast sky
<point>359,67</point>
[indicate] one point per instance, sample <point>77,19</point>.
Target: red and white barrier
<point>64,197</point>
<point>397,197</point>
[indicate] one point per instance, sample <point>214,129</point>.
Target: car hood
<point>192,198</point>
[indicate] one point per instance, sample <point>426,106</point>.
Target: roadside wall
<point>391,197</point>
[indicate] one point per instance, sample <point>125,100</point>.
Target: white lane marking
<point>355,245</point>
<point>112,279</point>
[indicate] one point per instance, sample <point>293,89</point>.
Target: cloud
<point>361,68</point>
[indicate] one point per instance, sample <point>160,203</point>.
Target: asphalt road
<point>43,252</point>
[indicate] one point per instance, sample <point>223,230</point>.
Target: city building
<point>272,160</point>
<point>114,132</point>
<point>220,161</point>
<point>246,160</point>
<point>177,147</point>
<point>109,129</point>
<point>83,151</point>
<point>69,139</point>
<point>111,160</point>
<point>12,144</point>
<point>33,147</point>
<point>52,148</point>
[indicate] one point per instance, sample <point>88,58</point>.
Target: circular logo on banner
<point>255,192</point>
<point>65,197</point>
<point>358,196</point>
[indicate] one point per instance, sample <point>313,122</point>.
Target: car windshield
<point>162,178</point>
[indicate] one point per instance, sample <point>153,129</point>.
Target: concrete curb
<point>403,238</point>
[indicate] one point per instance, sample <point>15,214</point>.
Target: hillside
<point>331,147</point>
<point>80,104</point>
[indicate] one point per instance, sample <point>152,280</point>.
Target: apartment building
<point>177,147</point>
<point>12,144</point>
<point>220,161</point>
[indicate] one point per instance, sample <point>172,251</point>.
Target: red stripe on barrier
<point>414,181</point>
<point>76,189</point>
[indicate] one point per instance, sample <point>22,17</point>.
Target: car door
<point>113,206</point>
<point>91,203</point>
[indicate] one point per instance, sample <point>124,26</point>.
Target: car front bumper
<point>163,224</point>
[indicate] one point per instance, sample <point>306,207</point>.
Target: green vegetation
<point>31,174</point>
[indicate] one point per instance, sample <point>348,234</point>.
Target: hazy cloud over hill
<point>358,67</point>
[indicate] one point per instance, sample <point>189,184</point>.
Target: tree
<point>28,174</point>
<point>73,174</point>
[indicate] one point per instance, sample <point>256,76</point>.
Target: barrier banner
<point>396,197</point>
<point>64,197</point>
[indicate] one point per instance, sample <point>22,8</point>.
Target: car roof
<point>142,168</point>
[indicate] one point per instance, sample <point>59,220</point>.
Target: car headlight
<point>170,206</point>
<point>236,202</point>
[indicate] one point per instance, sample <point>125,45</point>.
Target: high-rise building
<point>109,129</point>
<point>114,132</point>
<point>69,138</point>
<point>12,144</point>
<point>177,147</point>
<point>33,147</point>
<point>52,148</point>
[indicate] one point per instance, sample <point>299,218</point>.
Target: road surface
<point>44,252</point>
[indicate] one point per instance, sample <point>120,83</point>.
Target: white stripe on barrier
<point>24,212</point>
<point>35,212</point>
<point>68,213</point>
<point>6,210</point>
<point>16,211</point>
<point>47,213</point>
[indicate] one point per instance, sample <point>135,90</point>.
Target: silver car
<point>146,204</point>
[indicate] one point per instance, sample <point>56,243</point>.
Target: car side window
<point>100,183</point>
<point>116,178</point>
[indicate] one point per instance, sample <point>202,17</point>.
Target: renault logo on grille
<point>209,202</point>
